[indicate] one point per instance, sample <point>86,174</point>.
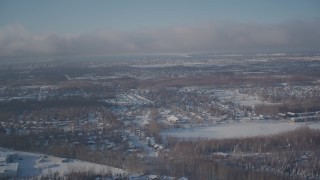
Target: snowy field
<point>32,164</point>
<point>238,130</point>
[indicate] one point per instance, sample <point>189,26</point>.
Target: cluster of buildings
<point>301,117</point>
<point>128,99</point>
<point>28,93</point>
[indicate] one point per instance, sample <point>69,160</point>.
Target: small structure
<point>10,156</point>
<point>152,177</point>
<point>151,141</point>
<point>173,119</point>
<point>282,115</point>
<point>3,159</point>
<point>219,155</point>
<point>9,170</point>
<point>66,160</point>
<point>291,114</point>
<point>183,178</point>
<point>304,118</point>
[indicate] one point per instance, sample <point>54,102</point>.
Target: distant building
<point>291,114</point>
<point>3,159</point>
<point>304,118</point>
<point>10,156</point>
<point>173,119</point>
<point>7,169</point>
<point>282,115</point>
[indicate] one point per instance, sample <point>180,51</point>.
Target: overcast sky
<point>96,27</point>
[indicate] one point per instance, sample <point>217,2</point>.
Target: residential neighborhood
<point>134,114</point>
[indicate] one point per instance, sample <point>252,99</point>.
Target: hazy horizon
<point>75,28</point>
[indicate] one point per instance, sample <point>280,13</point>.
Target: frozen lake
<point>238,130</point>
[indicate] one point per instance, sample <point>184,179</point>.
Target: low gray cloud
<point>16,40</point>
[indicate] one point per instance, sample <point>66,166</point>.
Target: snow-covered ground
<point>238,130</point>
<point>32,164</point>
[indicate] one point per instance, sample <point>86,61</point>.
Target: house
<point>3,159</point>
<point>173,119</point>
<point>151,141</point>
<point>282,115</point>
<point>291,114</point>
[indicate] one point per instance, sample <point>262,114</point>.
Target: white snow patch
<point>32,164</point>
